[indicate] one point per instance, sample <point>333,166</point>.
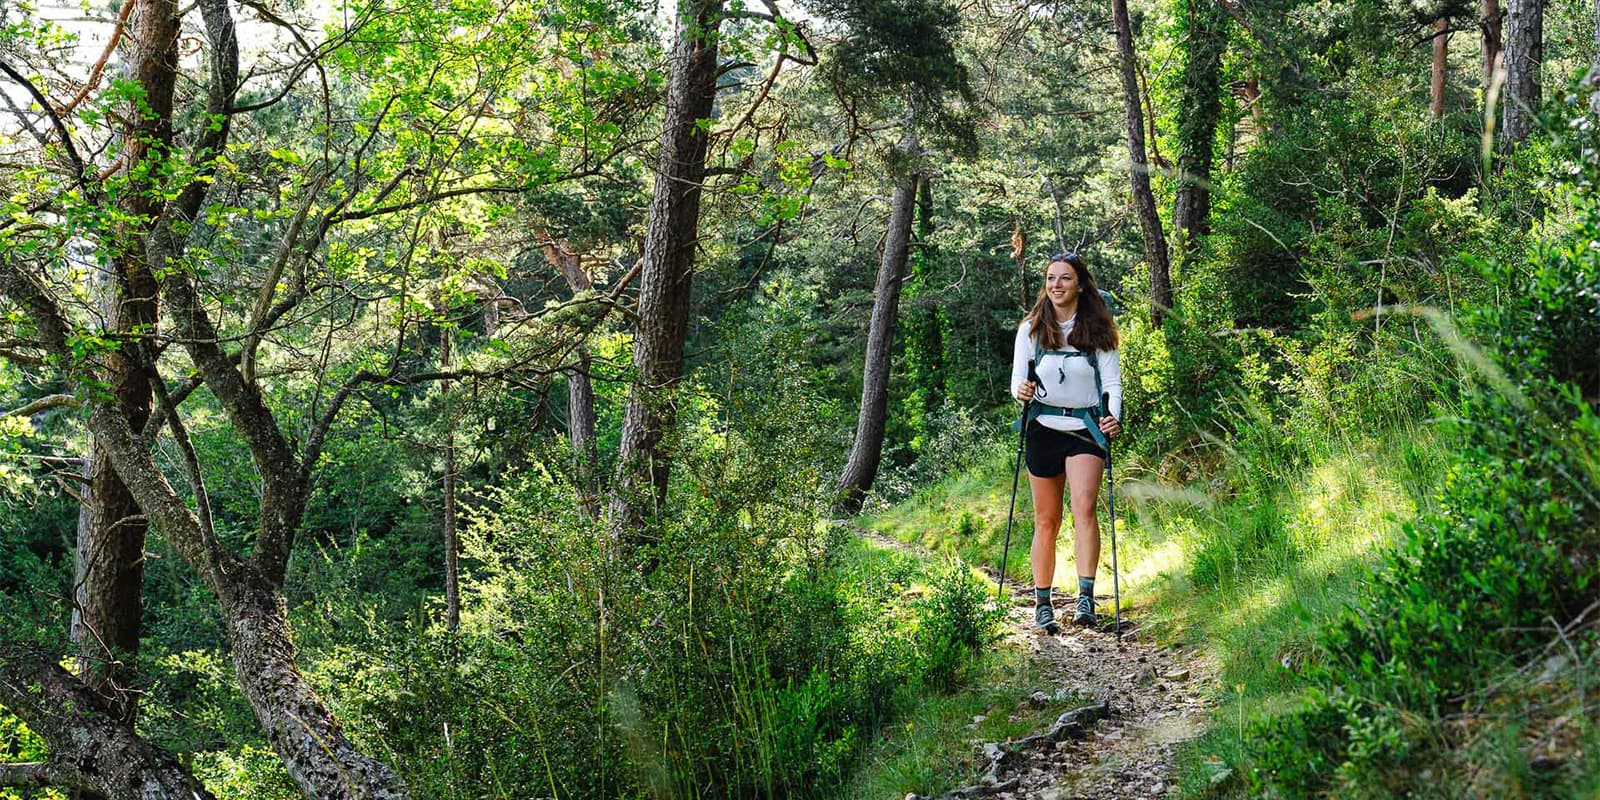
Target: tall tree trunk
<point>1594,68</point>
<point>1524,57</point>
<point>862,468</point>
<point>312,744</point>
<point>1200,106</point>
<point>109,568</point>
<point>1441,57</point>
<point>1155,242</point>
<point>452,542</point>
<point>580,389</point>
<point>666,277</point>
<point>1493,43</point>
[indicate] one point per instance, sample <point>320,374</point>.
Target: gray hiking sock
<point>1085,586</point>
<point>1041,597</point>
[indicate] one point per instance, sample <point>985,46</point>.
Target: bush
<point>955,625</point>
<point>753,654</point>
<point>1496,580</point>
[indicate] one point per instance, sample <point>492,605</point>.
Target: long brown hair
<point>1094,329</point>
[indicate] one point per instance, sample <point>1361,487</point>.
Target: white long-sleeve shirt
<point>1065,381</point>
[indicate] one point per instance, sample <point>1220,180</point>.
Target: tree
<point>667,274</point>
<point>93,750</point>
<point>580,390</point>
<point>1492,40</point>
<point>1441,58</point>
<point>862,467</point>
<point>1524,59</point>
<point>1204,29</point>
<point>1155,242</point>
<point>109,563</point>
<point>289,212</point>
<point>897,59</point>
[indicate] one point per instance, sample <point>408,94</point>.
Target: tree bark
<point>109,566</point>
<point>1441,57</point>
<point>1155,242</point>
<point>1594,68</point>
<point>320,758</point>
<point>1524,58</point>
<point>92,750</point>
<point>862,468</point>
<point>668,267</point>
<point>452,542</point>
<point>1199,110</point>
<point>1492,41</point>
<point>314,749</point>
<point>580,389</point>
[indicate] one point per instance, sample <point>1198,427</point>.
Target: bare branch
<point>34,775</point>
<point>80,172</point>
<point>191,460</point>
<point>247,355</point>
<point>1233,11</point>
<point>43,404</point>
<point>283,490</point>
<point>20,358</point>
<point>100,65</point>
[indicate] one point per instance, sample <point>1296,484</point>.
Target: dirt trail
<point>1159,697</point>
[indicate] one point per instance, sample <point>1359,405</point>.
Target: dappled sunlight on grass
<point>1247,572</point>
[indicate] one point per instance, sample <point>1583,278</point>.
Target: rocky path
<point>1147,700</point>
<point>1127,708</point>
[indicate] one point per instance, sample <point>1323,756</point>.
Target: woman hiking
<point>1070,335</point>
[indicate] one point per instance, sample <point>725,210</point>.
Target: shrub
<point>955,624</point>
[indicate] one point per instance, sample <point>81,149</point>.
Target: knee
<point>1086,517</point>
<point>1047,523</point>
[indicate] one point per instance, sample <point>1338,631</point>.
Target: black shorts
<point>1048,449</point>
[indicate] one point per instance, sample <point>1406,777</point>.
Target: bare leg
<point>1046,524</point>
<point>1084,473</point>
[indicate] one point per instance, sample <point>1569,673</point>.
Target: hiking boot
<point>1085,613</point>
<point>1044,617</point>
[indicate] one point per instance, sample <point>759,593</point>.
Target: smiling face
<point>1061,283</point>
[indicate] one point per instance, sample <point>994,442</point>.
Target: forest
<point>608,399</point>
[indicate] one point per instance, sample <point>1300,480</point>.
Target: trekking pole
<point>1016,474</point>
<point>1111,503</point>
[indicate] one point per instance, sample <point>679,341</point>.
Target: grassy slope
<point>1248,565</point>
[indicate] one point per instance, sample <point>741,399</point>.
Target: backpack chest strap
<point>1085,414</point>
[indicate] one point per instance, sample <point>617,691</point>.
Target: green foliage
<point>956,624</point>
<point>1547,323</point>
<point>759,655</point>
<point>1476,599</point>
<point>901,54</point>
